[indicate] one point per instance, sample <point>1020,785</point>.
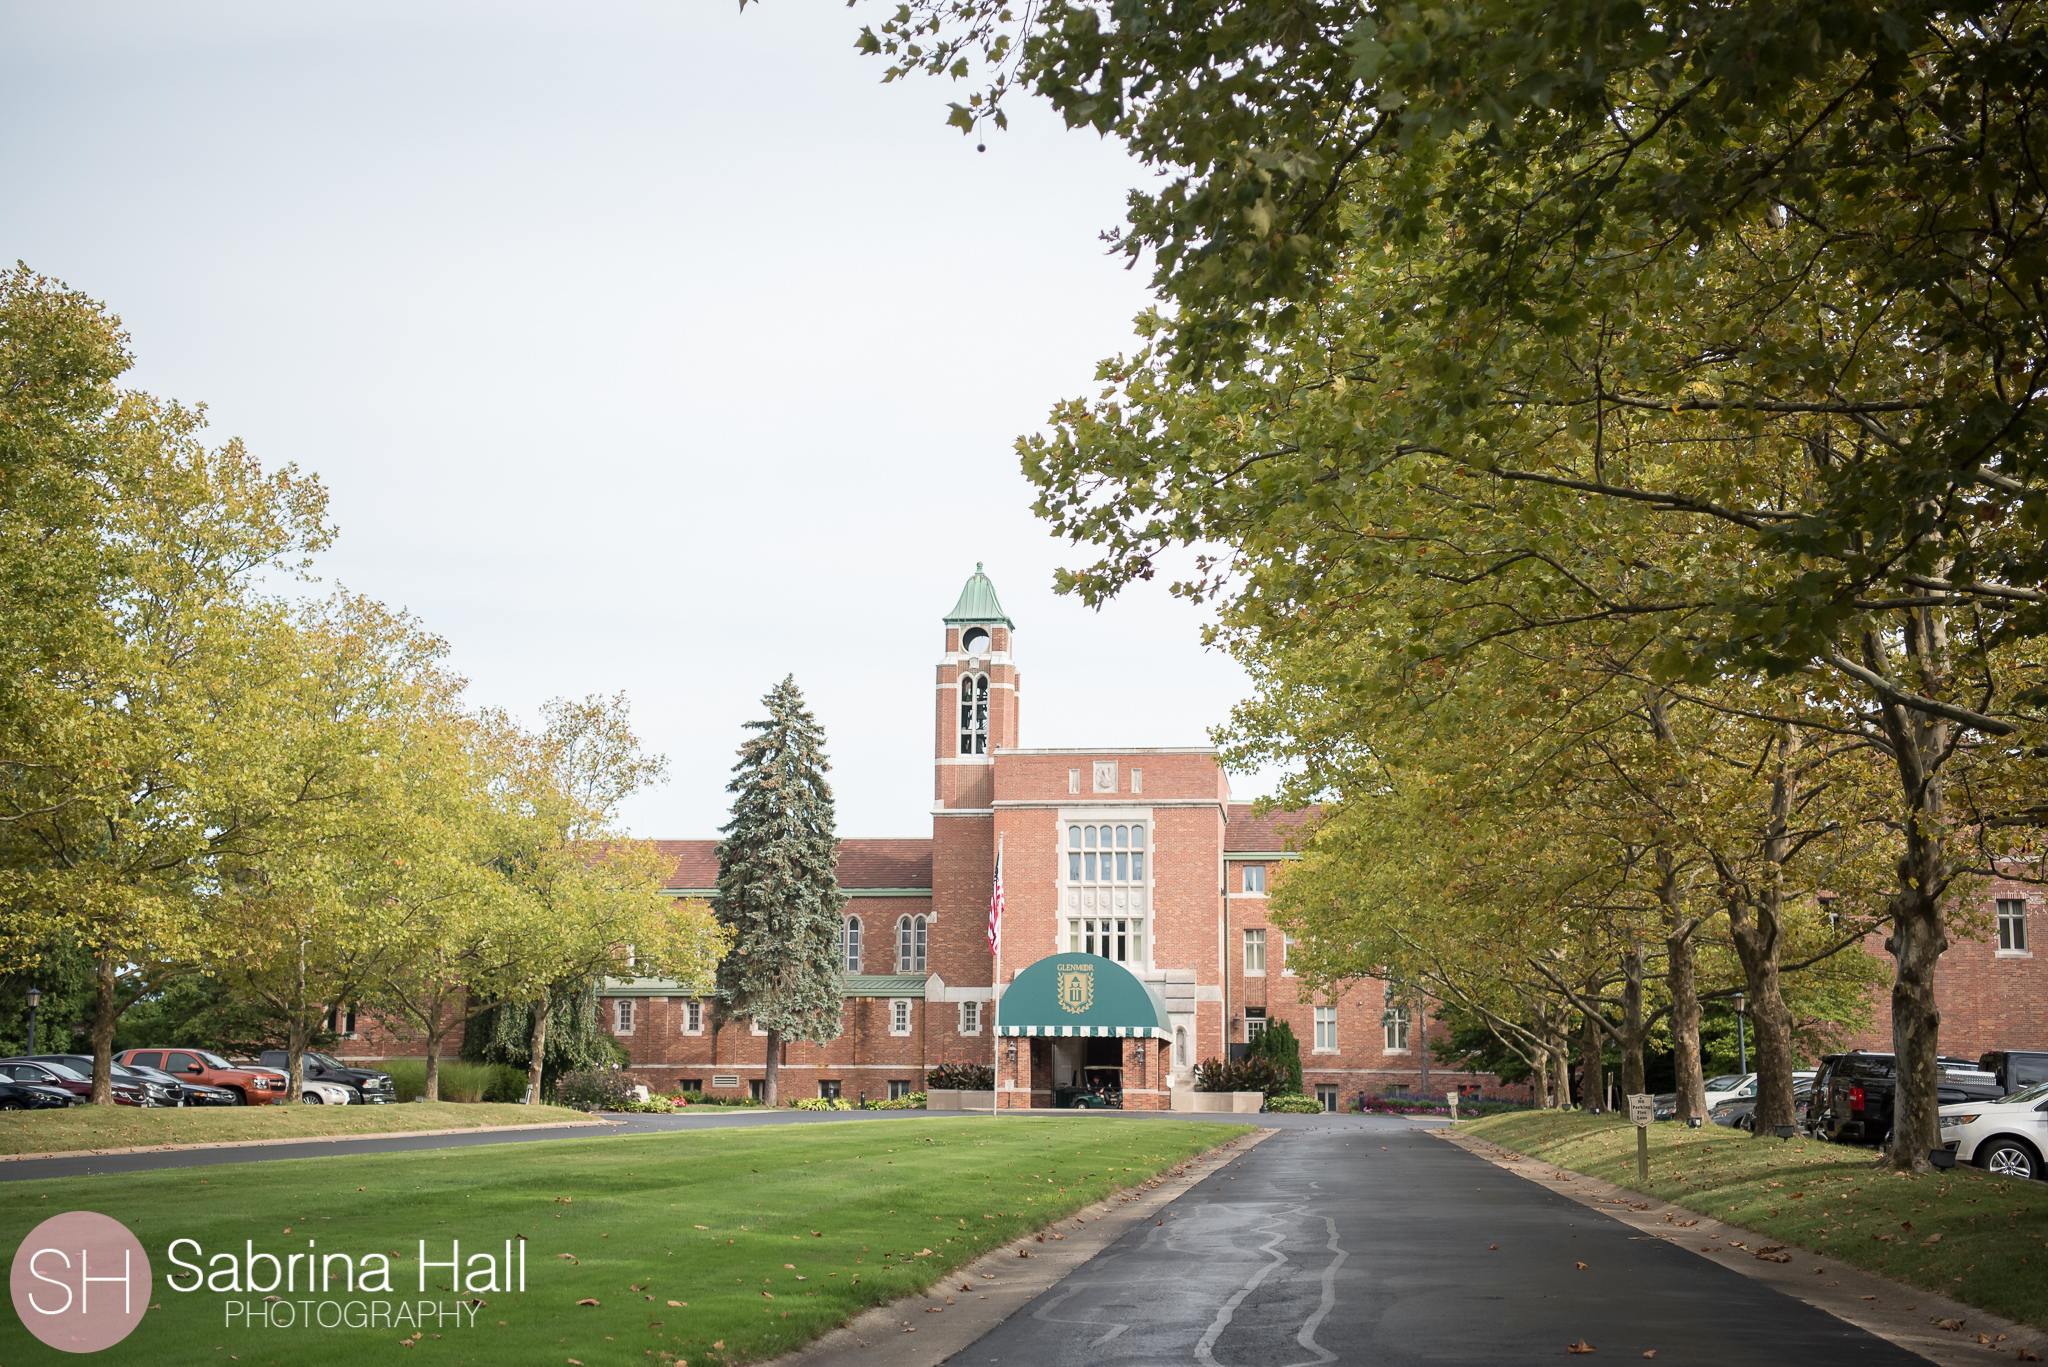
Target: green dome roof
<point>978,603</point>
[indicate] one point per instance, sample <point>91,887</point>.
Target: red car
<point>253,1085</point>
<point>126,1093</point>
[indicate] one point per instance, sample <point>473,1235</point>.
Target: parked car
<point>371,1087</point>
<point>33,1096</point>
<point>195,1093</point>
<point>1729,1086</point>
<point>1739,1112</point>
<point>126,1093</point>
<point>2007,1137</point>
<point>316,1093</point>
<point>251,1086</point>
<point>2016,1069</point>
<point>154,1093</point>
<point>1852,1096</point>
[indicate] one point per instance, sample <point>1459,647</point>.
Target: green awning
<point>1081,994</point>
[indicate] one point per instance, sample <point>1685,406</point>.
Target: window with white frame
<point>1395,1022</point>
<point>1254,1023</point>
<point>899,1015</point>
<point>759,1029</point>
<point>2012,925</point>
<point>1255,878</point>
<point>1255,951</point>
<point>622,1016</point>
<point>1107,865</point>
<point>1326,1030</point>
<point>693,1017</point>
<point>898,1089</point>
<point>849,943</point>
<point>970,1018</point>
<point>974,714</point>
<point>1286,956</point>
<point>910,944</point>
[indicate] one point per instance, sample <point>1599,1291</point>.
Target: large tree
<point>777,893</point>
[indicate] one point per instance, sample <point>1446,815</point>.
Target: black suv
<point>371,1087</point>
<point>2016,1069</point>
<point>1852,1094</point>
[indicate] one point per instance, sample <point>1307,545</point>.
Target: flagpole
<point>995,1094</point>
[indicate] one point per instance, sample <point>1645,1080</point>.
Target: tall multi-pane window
<point>910,938</point>
<point>693,1017</point>
<point>1106,866</point>
<point>1395,1020</point>
<point>2012,923</point>
<point>849,943</point>
<point>970,1018</point>
<point>899,1016</point>
<point>1255,951</point>
<point>974,714</point>
<point>1326,1027</point>
<point>1254,1023</point>
<point>624,1018</point>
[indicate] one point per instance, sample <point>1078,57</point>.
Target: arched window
<point>849,943</point>
<point>974,714</point>
<point>1180,1047</point>
<point>910,933</point>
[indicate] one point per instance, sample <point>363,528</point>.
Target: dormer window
<point>974,715</point>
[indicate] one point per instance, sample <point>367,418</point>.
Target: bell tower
<point>977,698</point>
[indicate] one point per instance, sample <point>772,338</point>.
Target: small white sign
<point>1642,1108</point>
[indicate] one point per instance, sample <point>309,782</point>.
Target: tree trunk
<point>537,1044</point>
<point>106,1010</point>
<point>1561,1064</point>
<point>1540,1090</point>
<point>430,1090</point>
<point>1634,1029</point>
<point>296,1037</point>
<point>1681,981</point>
<point>1756,925</point>
<point>768,1094</point>
<point>1591,1062</point>
<point>1919,743</point>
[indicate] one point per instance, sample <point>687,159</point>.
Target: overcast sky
<point>643,346</point>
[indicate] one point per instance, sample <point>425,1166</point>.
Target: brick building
<point>1991,992</point>
<point>1128,872</point>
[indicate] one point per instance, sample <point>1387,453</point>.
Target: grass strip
<point>80,1128</point>
<point>1964,1233</point>
<point>701,1247</point>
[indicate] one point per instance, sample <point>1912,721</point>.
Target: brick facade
<point>1989,997</point>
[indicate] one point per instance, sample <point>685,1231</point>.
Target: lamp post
<point>35,999</point>
<point>1741,1036</point>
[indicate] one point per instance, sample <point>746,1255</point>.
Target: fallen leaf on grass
<point>587,1301</point>
<point>1580,1347</point>
<point>768,1295</point>
<point>1930,1239</point>
<point>1649,1352</point>
<point>678,1303</point>
<point>703,1226</point>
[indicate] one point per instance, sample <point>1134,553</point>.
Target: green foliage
<point>457,1081</point>
<point>703,1099</point>
<point>966,1077</point>
<point>1252,1073</point>
<point>1295,1104</point>
<point>594,1089</point>
<point>777,893</point>
<point>909,1101</point>
<point>575,1040</point>
<point>1277,1044</point>
<point>819,1103</point>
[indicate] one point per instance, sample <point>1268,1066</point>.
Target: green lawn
<point>716,1246</point>
<point>126,1127</point>
<point>1963,1233</point>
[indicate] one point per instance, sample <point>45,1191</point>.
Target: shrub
<point>459,1081</point>
<point>912,1102</point>
<point>966,1077</point>
<point>654,1105</point>
<point>705,1099</point>
<point>819,1103</point>
<point>1277,1042</point>
<point>1294,1103</point>
<point>594,1089</point>
<point>1249,1074</point>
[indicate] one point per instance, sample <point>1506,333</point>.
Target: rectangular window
<point>970,1018</point>
<point>1255,878</point>
<point>898,1088</point>
<point>2012,924</point>
<point>693,1017</point>
<point>1397,1089</point>
<point>1326,1030</point>
<point>828,1088</point>
<point>758,1089</point>
<point>1287,956</point>
<point>690,1084</point>
<point>1138,868</point>
<point>899,1016</point>
<point>1123,866</point>
<point>1395,1020</point>
<point>1073,868</point>
<point>1255,951</point>
<point>756,1027</point>
<point>1254,1023</point>
<point>1326,1093</point>
<point>623,1019</point>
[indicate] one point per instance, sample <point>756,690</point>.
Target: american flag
<point>995,909</point>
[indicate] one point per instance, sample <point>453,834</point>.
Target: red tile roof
<point>887,863</point>
<point>1269,833</point>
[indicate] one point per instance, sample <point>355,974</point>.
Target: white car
<point>2006,1137</point>
<point>1739,1086</point>
<point>313,1093</point>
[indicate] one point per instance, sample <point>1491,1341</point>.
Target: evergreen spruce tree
<point>1278,1043</point>
<point>777,891</point>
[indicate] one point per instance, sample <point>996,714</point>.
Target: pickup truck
<point>2016,1069</point>
<point>371,1087</point>
<point>1852,1096</point>
<point>211,1070</point>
